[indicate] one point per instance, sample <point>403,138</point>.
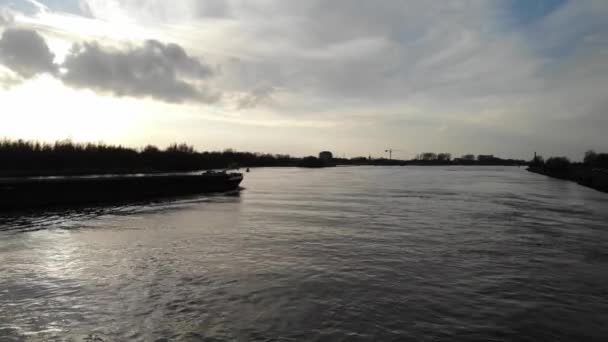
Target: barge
<point>36,193</point>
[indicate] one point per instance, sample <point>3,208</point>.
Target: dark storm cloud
<point>162,71</point>
<point>26,53</point>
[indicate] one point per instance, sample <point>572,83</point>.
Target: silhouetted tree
<point>359,160</point>
<point>538,160</point>
<point>444,157</point>
<point>26,158</point>
<point>590,157</point>
<point>151,149</point>
<point>180,148</point>
<point>311,162</point>
<point>558,164</point>
<point>428,156</point>
<point>598,160</point>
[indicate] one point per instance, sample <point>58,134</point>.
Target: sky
<point>356,77</point>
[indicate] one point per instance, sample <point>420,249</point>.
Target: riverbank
<point>594,178</point>
<point>19,158</point>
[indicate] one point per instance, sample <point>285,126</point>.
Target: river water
<point>340,254</point>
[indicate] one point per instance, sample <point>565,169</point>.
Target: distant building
<point>326,156</point>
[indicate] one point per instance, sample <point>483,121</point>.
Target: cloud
<point>9,79</point>
<point>6,17</point>
<point>153,69</point>
<point>156,10</point>
<point>377,54</point>
<point>157,70</point>
<point>40,7</point>
<point>26,53</point>
<point>471,64</point>
<point>258,95</point>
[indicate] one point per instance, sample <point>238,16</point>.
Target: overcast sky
<point>353,76</point>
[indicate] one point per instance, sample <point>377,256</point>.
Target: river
<point>338,254</point>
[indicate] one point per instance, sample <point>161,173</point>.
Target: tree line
<point>592,172</point>
<point>30,158</point>
<point>592,160</point>
<point>65,157</point>
<point>467,159</point>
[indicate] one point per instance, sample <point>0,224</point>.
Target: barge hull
<point>43,193</point>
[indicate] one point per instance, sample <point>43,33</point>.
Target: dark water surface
<point>342,254</point>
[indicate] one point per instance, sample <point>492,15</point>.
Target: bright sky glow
<point>352,76</point>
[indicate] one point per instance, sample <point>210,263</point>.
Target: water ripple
<point>343,254</point>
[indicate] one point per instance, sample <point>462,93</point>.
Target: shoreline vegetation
<point>592,172</point>
<point>20,158</point>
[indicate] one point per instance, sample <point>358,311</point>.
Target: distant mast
<point>390,153</point>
